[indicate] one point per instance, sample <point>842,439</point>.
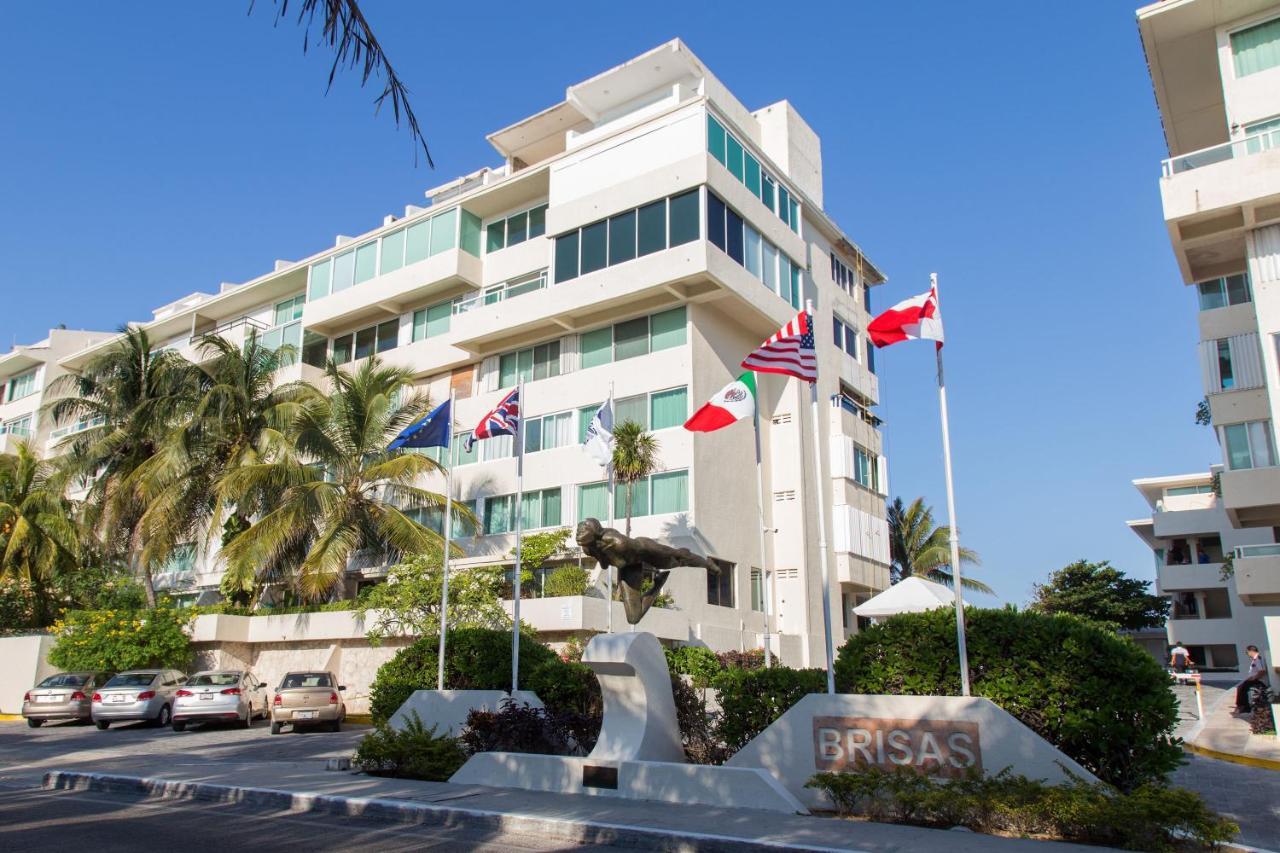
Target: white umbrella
<point>913,595</point>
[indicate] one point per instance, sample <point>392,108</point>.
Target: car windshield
<point>131,679</point>
<point>306,679</point>
<point>64,679</point>
<point>214,679</point>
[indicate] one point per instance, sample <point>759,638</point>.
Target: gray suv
<point>139,694</point>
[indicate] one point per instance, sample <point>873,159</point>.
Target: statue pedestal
<point>447,709</point>
<point>639,754</point>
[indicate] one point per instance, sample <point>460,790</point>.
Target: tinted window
<point>214,679</point>
<point>684,218</point>
<point>64,679</point>
<point>133,679</point>
<point>567,256</point>
<point>622,237</point>
<point>715,221</point>
<point>306,679</point>
<point>653,228</point>
<point>733,236</point>
<point>594,242</point>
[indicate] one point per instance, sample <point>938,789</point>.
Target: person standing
<point>1257,676</point>
<point>1179,657</point>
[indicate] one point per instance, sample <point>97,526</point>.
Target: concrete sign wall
<point>23,662</point>
<point>943,735</point>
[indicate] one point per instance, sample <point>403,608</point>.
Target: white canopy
<point>913,595</point>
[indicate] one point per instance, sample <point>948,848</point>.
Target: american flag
<point>789,351</point>
<point>503,420</point>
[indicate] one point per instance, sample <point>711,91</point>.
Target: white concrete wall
<point>23,663</point>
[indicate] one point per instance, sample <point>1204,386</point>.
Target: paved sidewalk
<point>573,819</point>
<point>1222,732</point>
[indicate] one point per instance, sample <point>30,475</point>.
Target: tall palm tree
<point>132,398</point>
<point>635,456</point>
<point>37,536</point>
<point>917,548</point>
<point>341,492</point>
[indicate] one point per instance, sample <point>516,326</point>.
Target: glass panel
<point>388,335</point>
<point>595,240</point>
<point>557,430</point>
<point>639,491</point>
<point>757,590</point>
<point>497,514</point>
<point>634,409</point>
<point>1211,295</point>
<point>733,156</point>
<point>438,319</point>
<point>1225,375</point>
<point>684,218</point>
<point>460,454</point>
<point>1238,289</point>
<point>532,515</point>
<point>631,338</point>
<point>668,408</point>
<point>546,360</point>
<point>1260,446</point>
<point>784,205</point>
<point>795,215</point>
<point>366,339</point>
<point>584,420</point>
<point>551,508</point>
<point>507,376</point>
<point>592,501</point>
<point>267,340</point>
<point>537,222</point>
<point>715,138</point>
<point>292,337</point>
<point>532,435</point>
<point>315,349</point>
<point>622,237</point>
<point>1256,48</point>
<point>667,329</point>
<point>766,190</point>
<point>417,240</point>
<point>319,285</point>
<point>289,310</point>
<point>653,228</point>
<point>366,262</point>
<point>671,492</point>
<point>751,251</point>
<point>597,347</point>
<point>524,364</point>
<point>567,256</point>
<point>1237,441</point>
<point>517,228</point>
<point>444,231</point>
<point>342,349</point>
<point>344,266</point>
<point>769,267</point>
<point>496,236</point>
<point>419,324</point>
<point>470,233</point>
<point>392,252</point>
<point>733,235</point>
<point>715,220</point>
<point>753,176</point>
<point>795,286</point>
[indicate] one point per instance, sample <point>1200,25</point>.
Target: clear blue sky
<point>148,150</point>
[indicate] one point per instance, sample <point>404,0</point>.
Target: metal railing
<point>1252,144</point>
<point>507,290</point>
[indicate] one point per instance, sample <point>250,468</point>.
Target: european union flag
<point>432,430</point>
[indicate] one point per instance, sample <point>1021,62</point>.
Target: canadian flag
<point>911,319</point>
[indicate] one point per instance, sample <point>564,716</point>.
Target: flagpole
<point>951,514</point>
<point>518,438</point>
<point>821,486</point>
<point>448,531</point>
<point>609,500</point>
<point>764,571</point>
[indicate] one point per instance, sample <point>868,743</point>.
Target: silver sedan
<point>139,694</point>
<point>226,695</point>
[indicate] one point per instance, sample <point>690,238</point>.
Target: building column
<point>1200,604</point>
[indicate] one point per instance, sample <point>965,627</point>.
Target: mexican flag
<point>736,401</point>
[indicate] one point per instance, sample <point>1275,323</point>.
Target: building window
<point>844,337</point>
<point>1256,48</point>
<point>548,432</point>
<point>667,492</point>
<point>538,362</point>
<point>289,310</point>
<point>633,233</point>
<point>516,229</point>
<point>720,585</point>
<point>429,322</point>
<point>728,232</point>
<point>366,342</point>
<point>641,336</point>
<point>1249,445</point>
<point>462,456</point>
<point>1221,292</point>
<point>757,591</point>
<point>865,468</point>
<point>593,501</point>
<point>668,408</point>
<point>23,385</point>
<point>842,275</point>
<point>871,356</point>
<point>20,427</point>
<point>1225,378</point>
<point>542,509</point>
<point>743,165</point>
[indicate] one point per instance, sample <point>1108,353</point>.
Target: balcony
<point>1234,150</point>
<point>1257,569</point>
<point>1251,497</point>
<point>859,378</point>
<point>1176,578</point>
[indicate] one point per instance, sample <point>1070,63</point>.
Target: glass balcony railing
<point>1252,144</point>
<point>1244,551</point>
<point>507,290</point>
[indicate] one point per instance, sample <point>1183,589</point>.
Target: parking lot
<point>135,748</point>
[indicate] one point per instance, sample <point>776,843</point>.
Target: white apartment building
<point>1215,66</point>
<point>641,236</point>
<point>26,374</point>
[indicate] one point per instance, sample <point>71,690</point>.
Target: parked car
<point>64,696</point>
<point>220,695</point>
<point>308,699</point>
<point>139,694</point>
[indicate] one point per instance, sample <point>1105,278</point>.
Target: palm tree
<point>37,536</point>
<point>917,548</point>
<point>635,456</point>
<point>131,398</point>
<point>341,492</point>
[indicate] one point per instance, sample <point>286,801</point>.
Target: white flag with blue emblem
<point>599,443</point>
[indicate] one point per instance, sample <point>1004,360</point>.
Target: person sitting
<point>1257,678</point>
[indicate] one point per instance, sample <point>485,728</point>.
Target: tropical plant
<point>411,752</point>
<point>38,539</point>
<point>635,456</point>
<point>116,640</point>
<point>129,399</point>
<point>918,549</point>
<point>342,493</point>
<point>1102,593</point>
<point>408,604</point>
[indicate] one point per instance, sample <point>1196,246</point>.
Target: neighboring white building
<point>26,374</point>
<point>641,235</point>
<point>1215,67</point>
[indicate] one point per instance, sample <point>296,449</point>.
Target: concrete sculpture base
<point>447,709</point>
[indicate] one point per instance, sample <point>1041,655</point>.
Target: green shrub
<point>752,699</point>
<point>116,640</point>
<point>702,745</point>
<point>569,579</point>
<point>516,727</point>
<point>1151,817</point>
<point>572,691</point>
<point>1094,695</point>
<point>734,659</point>
<point>476,659</point>
<point>697,662</point>
<point>415,752</point>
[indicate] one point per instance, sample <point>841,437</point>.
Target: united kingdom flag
<point>503,420</point>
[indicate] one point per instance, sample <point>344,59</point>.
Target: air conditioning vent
<point>786,495</point>
<point>781,419</point>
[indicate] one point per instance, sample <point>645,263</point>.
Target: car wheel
<point>101,724</point>
<point>35,724</point>
<point>335,726</point>
<point>179,727</point>
<point>163,718</point>
<point>275,728</point>
<point>247,722</point>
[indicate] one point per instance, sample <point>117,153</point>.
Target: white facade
<point>642,235</point>
<point>1215,67</point>
<point>27,374</point>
